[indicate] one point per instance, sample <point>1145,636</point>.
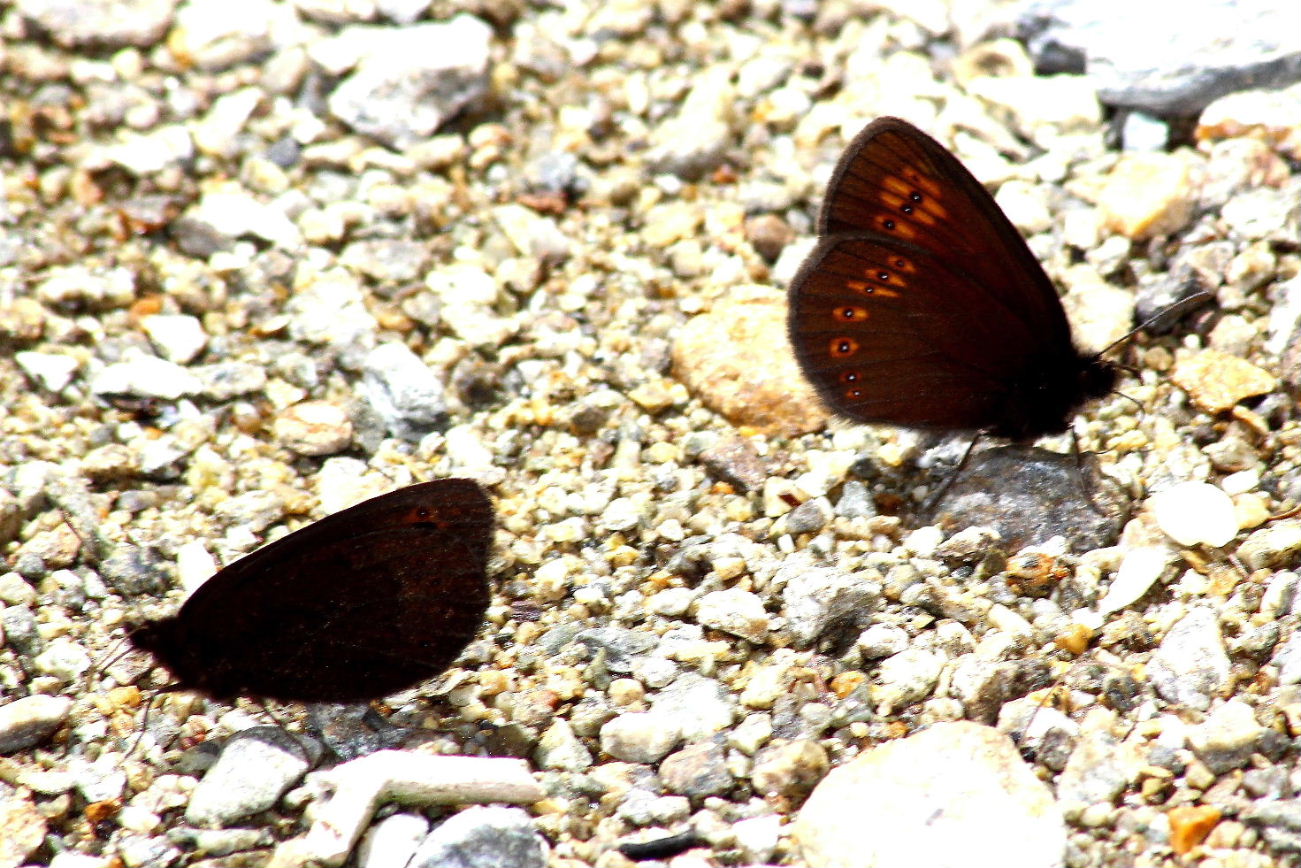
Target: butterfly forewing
<point>897,182</point>
<point>921,304</point>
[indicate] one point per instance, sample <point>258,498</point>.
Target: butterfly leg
<point>1081,476</point>
<point>928,508</point>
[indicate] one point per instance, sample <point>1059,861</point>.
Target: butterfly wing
<point>898,182</point>
<point>921,305</point>
<point>365,602</point>
<point>887,332</point>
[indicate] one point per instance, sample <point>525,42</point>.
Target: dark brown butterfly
<point>361,604</point>
<point>922,306</point>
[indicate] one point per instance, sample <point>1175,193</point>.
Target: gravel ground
<point>260,261</point>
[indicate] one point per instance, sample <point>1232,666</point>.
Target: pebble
<point>1275,545</point>
<point>697,770</point>
<point>75,285</point>
<point>956,794</point>
<point>817,598</point>
<point>149,153</point>
<point>1217,381</point>
<point>404,392</point>
<point>1028,496</point>
<point>468,294</point>
<point>735,460</point>
<point>114,25</point>
<point>559,748</point>
<point>789,769</point>
<point>145,376</point>
<point>22,827</point>
<point>331,310</point>
<point>392,841</point>
<point>693,142</point>
<point>30,720</point>
<point>734,611</point>
<point>178,337</point>
<point>1190,825</point>
<point>1228,737</point>
<point>737,361</point>
<point>213,34</point>
<point>388,261</point>
<point>409,81</point>
<point>1190,665</point>
<point>53,371</point>
<point>224,381</point>
<point>698,706</point>
<point>233,213</point>
<point>640,736</point>
<point>1183,74</point>
<point>256,767</point>
<point>1287,657</point>
<point>1195,513</point>
<point>1096,771</point>
<point>482,836</point>
<point>1148,194</point>
<point>313,428</point>
<point>905,678</point>
<point>1138,572</point>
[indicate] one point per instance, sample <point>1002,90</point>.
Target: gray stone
<point>109,23</point>
<point>1228,737</point>
<point>483,837</point>
<point>409,81</point>
<point>404,392</point>
<point>696,771</point>
<point>225,380</point>
<point>1191,665</point>
<point>254,770</point>
<point>1216,49</point>
<point>817,598</point>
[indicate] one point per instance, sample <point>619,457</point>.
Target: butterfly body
<point>361,604</point>
<point>921,305</point>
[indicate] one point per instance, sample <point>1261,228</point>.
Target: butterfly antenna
<point>1131,399</point>
<point>1177,307</point>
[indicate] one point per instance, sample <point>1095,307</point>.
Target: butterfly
<point>366,602</point>
<point>922,306</point>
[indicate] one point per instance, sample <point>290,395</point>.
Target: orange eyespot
<point>842,348</point>
<point>848,377</point>
<point>851,313</point>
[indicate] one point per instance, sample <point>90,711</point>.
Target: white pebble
<point>1139,569</point>
<point>1195,512</point>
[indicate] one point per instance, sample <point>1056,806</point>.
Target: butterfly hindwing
<point>886,333</point>
<point>363,603</point>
